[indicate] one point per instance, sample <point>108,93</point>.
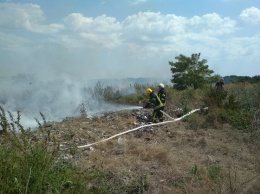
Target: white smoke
<point>60,98</point>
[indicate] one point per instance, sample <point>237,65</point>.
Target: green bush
<point>248,94</point>
<point>227,107</point>
<point>214,98</point>
<point>241,120</point>
<point>27,165</point>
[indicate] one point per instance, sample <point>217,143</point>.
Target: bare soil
<point>171,157</point>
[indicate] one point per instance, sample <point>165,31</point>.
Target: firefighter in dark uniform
<point>156,104</point>
<point>162,95</point>
<point>220,84</point>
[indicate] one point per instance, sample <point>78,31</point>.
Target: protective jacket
<point>219,85</point>
<point>154,102</point>
<point>162,96</point>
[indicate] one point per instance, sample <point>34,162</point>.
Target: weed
<point>195,171</point>
<point>27,165</point>
<point>241,120</point>
<point>214,172</point>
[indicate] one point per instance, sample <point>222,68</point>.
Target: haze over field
<point>62,97</point>
<point>58,46</point>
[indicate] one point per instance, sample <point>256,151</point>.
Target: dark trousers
<point>157,115</point>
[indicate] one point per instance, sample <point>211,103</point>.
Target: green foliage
<point>195,171</point>
<point>189,72</point>
<point>214,98</point>
<point>3,122</point>
<point>214,172</point>
<point>227,107</point>
<point>248,95</point>
<point>27,165</point>
<point>242,79</point>
<point>241,120</point>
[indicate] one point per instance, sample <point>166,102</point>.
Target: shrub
<point>214,98</point>
<point>226,107</point>
<point>232,103</point>
<point>241,120</point>
<point>28,165</point>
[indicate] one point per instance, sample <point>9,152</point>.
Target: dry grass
<point>173,158</point>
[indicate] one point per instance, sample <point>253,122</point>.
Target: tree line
<point>239,79</point>
<point>191,72</point>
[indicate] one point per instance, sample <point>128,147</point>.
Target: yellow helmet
<point>148,91</point>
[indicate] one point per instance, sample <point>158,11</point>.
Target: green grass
<point>28,166</point>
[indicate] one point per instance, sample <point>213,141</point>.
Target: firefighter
<point>162,94</point>
<point>220,84</point>
<point>156,104</point>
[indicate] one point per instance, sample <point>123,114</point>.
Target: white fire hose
<point>143,126</point>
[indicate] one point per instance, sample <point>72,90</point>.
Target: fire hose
<point>143,126</point>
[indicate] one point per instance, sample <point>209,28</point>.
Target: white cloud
<point>26,16</point>
<point>212,24</point>
<point>100,24</point>
<point>154,23</point>
<point>111,47</point>
<point>137,2</point>
<point>150,28</point>
<point>102,30</point>
<point>251,15</point>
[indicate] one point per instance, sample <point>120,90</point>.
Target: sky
<point>86,39</point>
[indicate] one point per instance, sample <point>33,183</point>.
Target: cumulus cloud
<point>100,24</point>
<point>154,23</point>
<point>27,16</point>
<point>212,24</point>
<point>81,45</point>
<point>251,15</point>
<point>157,25</point>
<point>102,30</point>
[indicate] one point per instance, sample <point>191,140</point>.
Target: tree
<point>189,72</point>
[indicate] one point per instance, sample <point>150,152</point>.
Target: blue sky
<point>85,39</point>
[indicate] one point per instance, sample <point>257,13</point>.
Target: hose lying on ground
<point>143,126</point>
